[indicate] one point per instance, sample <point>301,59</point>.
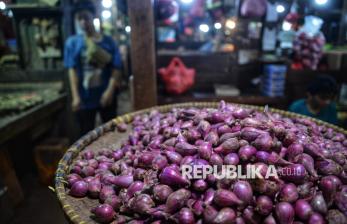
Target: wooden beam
<point>343,24</point>
<point>141,17</point>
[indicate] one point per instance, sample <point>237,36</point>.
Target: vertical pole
<point>343,24</point>
<point>142,46</point>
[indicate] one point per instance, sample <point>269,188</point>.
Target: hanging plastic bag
<point>253,8</point>
<point>308,44</point>
<point>312,26</point>
<point>177,77</point>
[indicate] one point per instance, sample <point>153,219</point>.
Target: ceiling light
<point>106,14</point>
<point>186,1</point>
<point>280,8</point>
<point>96,23</point>
<point>217,26</point>
<point>231,24</point>
<point>321,2</point>
<point>204,28</point>
<point>286,26</point>
<point>107,3</point>
<point>2,5</point>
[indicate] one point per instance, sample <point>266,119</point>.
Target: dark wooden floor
<point>40,205</point>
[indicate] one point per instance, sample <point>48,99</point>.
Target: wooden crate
<point>47,155</point>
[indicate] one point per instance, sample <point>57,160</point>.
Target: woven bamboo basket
<point>78,210</point>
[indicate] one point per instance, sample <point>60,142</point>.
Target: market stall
<point>141,89</point>
<point>27,109</point>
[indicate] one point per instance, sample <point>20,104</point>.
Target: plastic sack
<point>308,44</point>
<point>253,8</point>
<point>177,77</point>
<point>312,26</point>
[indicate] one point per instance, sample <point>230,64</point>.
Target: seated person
<point>320,100</point>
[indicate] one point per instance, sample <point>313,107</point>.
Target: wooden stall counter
<point>33,121</point>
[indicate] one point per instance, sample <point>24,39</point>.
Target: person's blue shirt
<point>92,81</point>
<point>327,114</point>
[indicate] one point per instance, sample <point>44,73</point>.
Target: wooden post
<point>142,46</point>
<point>343,24</point>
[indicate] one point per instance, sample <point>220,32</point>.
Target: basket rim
<point>93,135</point>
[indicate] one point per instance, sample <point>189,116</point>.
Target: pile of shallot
<point>141,182</point>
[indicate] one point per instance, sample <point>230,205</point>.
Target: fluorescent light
<point>186,1</point>
<point>2,5</point>
<point>127,29</point>
<point>316,22</point>
<point>230,24</point>
<point>286,26</point>
<point>280,8</point>
<point>96,23</point>
<point>204,28</point>
<point>10,13</point>
<point>217,26</point>
<point>107,3</point>
<point>106,14</point>
<point>321,2</point>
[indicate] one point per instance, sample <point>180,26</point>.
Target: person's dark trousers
<point>86,117</point>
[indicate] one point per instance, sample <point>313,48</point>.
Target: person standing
<point>93,62</point>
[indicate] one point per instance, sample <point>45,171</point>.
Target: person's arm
<point>113,84</point>
<point>115,79</point>
<point>69,63</point>
<point>76,100</point>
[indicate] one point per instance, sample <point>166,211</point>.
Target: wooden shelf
<point>278,102</point>
<point>273,60</point>
<point>34,10</point>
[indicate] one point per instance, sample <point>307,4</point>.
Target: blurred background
<point>259,52</point>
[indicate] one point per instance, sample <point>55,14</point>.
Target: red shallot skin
<point>250,216</point>
<point>335,216</point>
<point>172,177</point>
<point>73,178</point>
<point>79,189</point>
<point>134,187</point>
<point>225,215</point>
<point>210,213</point>
<point>289,193</point>
<point>270,220</point>
<point>316,218</point>
<point>186,216</point>
<point>104,213</point>
<point>303,209</point>
<point>264,205</point>
<point>231,159</point>
<point>177,199</point>
<point>141,180</point>
<point>161,192</point>
<point>284,212</point>
<point>114,201</point>
<point>224,197</point>
<point>198,207</point>
<point>143,203</point>
<point>243,190</point>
